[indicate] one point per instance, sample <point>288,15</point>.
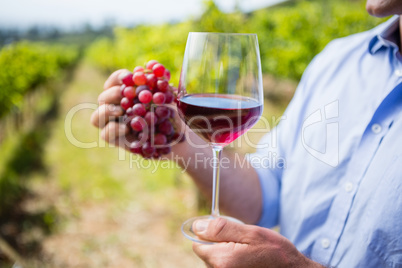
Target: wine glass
<point>220,96</point>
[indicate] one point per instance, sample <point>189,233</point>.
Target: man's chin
<point>383,8</point>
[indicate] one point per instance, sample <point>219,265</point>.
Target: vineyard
<point>30,77</point>
<point>66,206</point>
<point>26,66</point>
<point>289,36</point>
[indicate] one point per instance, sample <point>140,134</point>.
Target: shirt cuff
<point>270,188</point>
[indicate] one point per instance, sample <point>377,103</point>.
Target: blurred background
<point>67,199</point>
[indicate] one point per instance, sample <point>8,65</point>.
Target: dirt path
<point>109,212</point>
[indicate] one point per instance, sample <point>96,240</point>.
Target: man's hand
<point>242,245</point>
<point>109,109</point>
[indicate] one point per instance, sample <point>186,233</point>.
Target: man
<point>338,197</point>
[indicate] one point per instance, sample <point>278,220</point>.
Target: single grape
<point>163,85</point>
<point>164,150</point>
<point>158,69</point>
<point>145,96</point>
<point>151,118</point>
<point>159,98</point>
<point>144,136</point>
<point>169,97</point>
<point>151,64</point>
<point>139,78</point>
<point>139,109</point>
<point>130,111</point>
<point>126,103</point>
<point>141,88</point>
<point>122,87</point>
<point>165,127</point>
<point>129,92</point>
<point>151,80</point>
<point>138,123</point>
<point>136,147</point>
<point>138,69</point>
<point>167,74</point>
<point>160,139</point>
<point>148,149</point>
<point>162,112</point>
<point>179,137</point>
<point>128,80</point>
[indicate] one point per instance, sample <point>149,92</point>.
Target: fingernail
<point>123,129</point>
<point>115,110</point>
<point>201,226</point>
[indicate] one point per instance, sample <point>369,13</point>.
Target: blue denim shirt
<point>332,178</point>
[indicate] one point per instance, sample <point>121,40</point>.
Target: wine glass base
<point>187,227</point>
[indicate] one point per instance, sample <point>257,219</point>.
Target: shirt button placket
<point>325,243</point>
<point>376,128</point>
<point>348,187</point>
<point>398,72</point>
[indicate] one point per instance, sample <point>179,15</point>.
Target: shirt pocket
<point>383,225</point>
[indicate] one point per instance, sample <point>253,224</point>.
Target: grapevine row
<point>26,65</point>
<point>289,35</point>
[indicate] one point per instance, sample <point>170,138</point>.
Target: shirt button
<point>348,187</point>
<point>325,243</point>
<point>398,73</point>
<point>376,128</point>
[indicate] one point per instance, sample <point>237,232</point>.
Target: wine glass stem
<point>217,151</point>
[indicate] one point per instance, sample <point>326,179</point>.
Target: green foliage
<point>214,20</point>
<point>24,159</point>
<point>290,36</point>
<point>25,65</point>
<point>137,46</point>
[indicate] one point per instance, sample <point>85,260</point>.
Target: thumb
<point>221,230</point>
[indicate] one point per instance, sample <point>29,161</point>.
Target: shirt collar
<point>386,36</point>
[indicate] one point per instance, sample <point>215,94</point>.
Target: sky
<point>69,14</point>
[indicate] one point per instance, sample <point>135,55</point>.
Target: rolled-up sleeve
<point>267,164</point>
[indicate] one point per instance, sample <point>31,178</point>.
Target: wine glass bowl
<point>219,118</point>
<point>220,96</point>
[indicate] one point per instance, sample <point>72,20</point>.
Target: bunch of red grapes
<point>146,95</point>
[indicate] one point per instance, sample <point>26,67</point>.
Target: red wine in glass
<point>219,118</point>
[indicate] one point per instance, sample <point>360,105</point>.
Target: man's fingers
<point>220,254</point>
<point>115,78</point>
<point>222,230</point>
<point>114,131</point>
<point>112,95</point>
<point>208,252</point>
<point>105,113</point>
